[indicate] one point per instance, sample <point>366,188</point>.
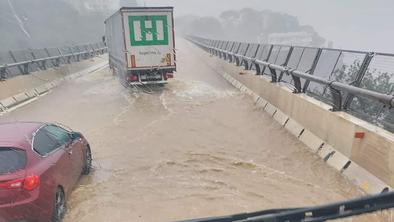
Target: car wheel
<point>88,162</point>
<point>59,208</point>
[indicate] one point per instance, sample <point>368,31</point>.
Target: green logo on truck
<point>148,30</point>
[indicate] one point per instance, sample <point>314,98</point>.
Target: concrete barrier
<point>49,85</point>
<point>31,93</point>
<point>8,102</point>
<point>57,82</point>
<point>261,103</point>
<point>311,140</point>
<point>41,89</point>
<point>368,182</point>
<point>280,117</point>
<point>21,83</point>
<point>270,109</point>
<point>294,128</point>
<point>255,98</point>
<point>21,97</point>
<point>368,162</point>
<point>334,158</point>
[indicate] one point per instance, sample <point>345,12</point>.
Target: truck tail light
<point>29,183</point>
<point>133,64</point>
<point>168,58</point>
<point>133,78</point>
<point>170,75</point>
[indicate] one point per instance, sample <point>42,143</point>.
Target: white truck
<point>141,44</point>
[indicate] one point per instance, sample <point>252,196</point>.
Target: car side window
<point>44,143</point>
<point>60,134</point>
<point>49,138</point>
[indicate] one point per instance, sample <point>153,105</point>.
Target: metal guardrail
<point>361,83</point>
<point>22,62</point>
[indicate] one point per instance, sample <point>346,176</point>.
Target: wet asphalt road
<point>194,148</point>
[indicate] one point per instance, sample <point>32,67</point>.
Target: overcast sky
<point>350,24</point>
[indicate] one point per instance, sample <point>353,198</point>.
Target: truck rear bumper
<point>147,69</point>
<point>147,83</point>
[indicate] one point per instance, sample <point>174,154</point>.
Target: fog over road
<point>195,148</point>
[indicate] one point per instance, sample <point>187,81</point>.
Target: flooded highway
<point>194,148</point>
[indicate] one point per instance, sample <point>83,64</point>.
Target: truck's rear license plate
<point>151,77</point>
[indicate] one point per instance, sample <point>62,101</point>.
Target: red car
<point>39,165</point>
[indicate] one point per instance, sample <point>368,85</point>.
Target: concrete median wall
<point>367,161</point>
<point>21,83</point>
<point>22,88</point>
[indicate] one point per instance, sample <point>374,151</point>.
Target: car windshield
<point>11,160</point>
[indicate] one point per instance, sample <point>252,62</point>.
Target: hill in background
<point>253,26</point>
<point>53,23</point>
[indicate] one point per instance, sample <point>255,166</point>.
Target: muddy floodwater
<point>194,148</point>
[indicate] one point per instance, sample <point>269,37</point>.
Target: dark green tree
<point>375,80</point>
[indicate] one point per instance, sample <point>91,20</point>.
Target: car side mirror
<point>75,135</point>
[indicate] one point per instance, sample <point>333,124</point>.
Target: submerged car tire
<point>88,162</point>
<point>59,208</point>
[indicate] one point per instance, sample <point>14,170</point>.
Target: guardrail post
<point>93,50</point>
<point>258,68</point>
<point>297,83</point>
<point>14,59</point>
<point>69,57</point>
<point>360,75</point>
<point>26,68</point>
<point>312,70</point>
<point>87,52</point>
<point>262,70</point>
<point>336,98</point>
<point>286,62</point>
<point>44,64</point>
<point>253,58</point>
<point>273,74</point>
<point>46,50</point>
<point>3,73</point>
<point>49,55</point>
<point>34,58</point>
<point>62,56</point>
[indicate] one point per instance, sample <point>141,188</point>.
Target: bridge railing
<point>22,62</point>
<point>358,82</point>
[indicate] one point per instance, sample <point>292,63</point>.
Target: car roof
<point>18,134</point>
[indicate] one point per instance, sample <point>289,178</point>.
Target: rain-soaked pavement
<point>195,148</point>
